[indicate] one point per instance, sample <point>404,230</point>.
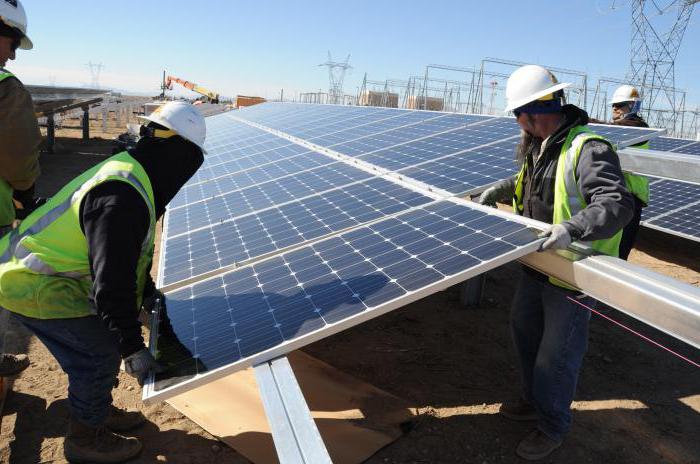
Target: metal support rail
<point>665,164</point>
<point>294,432</point>
<point>659,301</point>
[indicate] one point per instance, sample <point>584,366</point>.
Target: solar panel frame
<point>520,239</point>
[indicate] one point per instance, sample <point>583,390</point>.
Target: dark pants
<point>629,233</point>
<point>550,333</point>
<point>85,350</point>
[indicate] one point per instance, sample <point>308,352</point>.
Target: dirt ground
<point>635,403</point>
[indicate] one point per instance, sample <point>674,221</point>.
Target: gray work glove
<point>140,363</point>
<point>499,192</point>
<point>558,238</point>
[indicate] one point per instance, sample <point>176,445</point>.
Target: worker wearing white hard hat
<point>626,105</point>
<point>76,273</point>
<point>569,177</point>
<point>626,102</point>
<point>19,148</point>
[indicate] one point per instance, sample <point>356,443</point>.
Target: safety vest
<point>44,265</point>
<point>638,185</point>
<point>568,199</point>
<point>7,208</point>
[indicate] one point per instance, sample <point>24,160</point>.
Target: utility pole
<point>95,70</point>
<point>653,51</point>
<point>336,76</point>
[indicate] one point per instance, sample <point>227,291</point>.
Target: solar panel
<point>682,222</point>
<point>231,321</point>
<point>690,149</point>
<point>667,143</point>
<point>673,208</point>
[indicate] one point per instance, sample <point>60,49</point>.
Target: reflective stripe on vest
<point>568,200</point>
<point>7,208</point>
<point>44,265</point>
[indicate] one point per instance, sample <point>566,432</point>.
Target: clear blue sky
<point>258,47</point>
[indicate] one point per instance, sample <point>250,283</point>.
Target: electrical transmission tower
<point>95,70</point>
<point>336,76</point>
<point>653,50</point>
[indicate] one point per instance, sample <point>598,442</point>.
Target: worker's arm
<point>600,181</point>
<point>19,136</point>
<point>115,220</point>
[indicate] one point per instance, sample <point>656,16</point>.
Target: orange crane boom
<point>212,96</point>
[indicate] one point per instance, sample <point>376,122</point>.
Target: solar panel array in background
<point>255,176</point>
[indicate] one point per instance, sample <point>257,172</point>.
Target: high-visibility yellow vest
<point>638,185</point>
<point>44,265</point>
<point>568,199</point>
<point>7,208</point>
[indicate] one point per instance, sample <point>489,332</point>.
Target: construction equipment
<point>212,97</point>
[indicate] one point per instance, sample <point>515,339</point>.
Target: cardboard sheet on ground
<point>354,418</point>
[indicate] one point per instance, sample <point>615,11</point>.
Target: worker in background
<point>74,273</point>
<point>571,178</point>
<point>626,105</point>
<point>19,148</point>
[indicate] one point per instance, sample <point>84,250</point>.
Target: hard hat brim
<point>26,43</point>
<point>535,96</point>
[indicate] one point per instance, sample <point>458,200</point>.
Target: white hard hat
<point>529,83</point>
<point>183,118</point>
<point>13,15</point>
<point>625,93</point>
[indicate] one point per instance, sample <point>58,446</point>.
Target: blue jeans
<point>550,333</point>
<point>86,352</point>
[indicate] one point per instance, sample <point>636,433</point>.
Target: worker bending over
<point>571,178</point>
<point>74,273</point>
<point>19,147</point>
<point>626,105</point>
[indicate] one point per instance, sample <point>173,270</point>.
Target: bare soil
<point>635,402</point>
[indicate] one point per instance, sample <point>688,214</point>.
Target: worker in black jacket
<point>76,270</point>
<point>626,104</point>
<point>569,177</point>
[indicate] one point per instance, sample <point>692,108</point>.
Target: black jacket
<point>600,180</point>
<point>115,221</point>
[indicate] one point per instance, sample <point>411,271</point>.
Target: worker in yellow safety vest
<point>75,271</point>
<point>626,105</point>
<point>19,148</point>
<point>571,178</point>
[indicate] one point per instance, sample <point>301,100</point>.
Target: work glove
<point>558,238</point>
<point>499,192</point>
<point>140,363</point>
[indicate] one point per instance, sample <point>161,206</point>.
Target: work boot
<point>123,420</point>
<point>13,364</point>
<point>518,410</point>
<point>86,444</point>
<point>536,445</point>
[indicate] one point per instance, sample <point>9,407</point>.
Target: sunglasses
<point>618,106</point>
<point>15,44</point>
